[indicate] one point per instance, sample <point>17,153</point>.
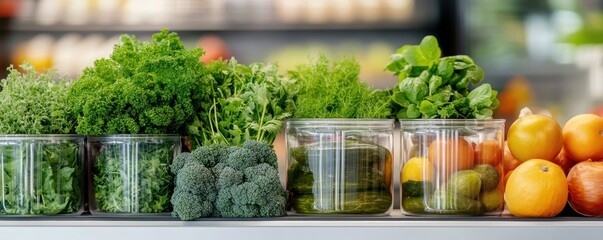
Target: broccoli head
<point>238,181</point>
<point>189,206</point>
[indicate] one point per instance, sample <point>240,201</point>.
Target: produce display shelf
<point>395,226</point>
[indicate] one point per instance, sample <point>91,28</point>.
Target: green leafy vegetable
<point>33,103</point>
<point>45,181</point>
<point>244,102</point>
<point>144,87</point>
<point>326,90</point>
<point>431,86</point>
<point>133,177</point>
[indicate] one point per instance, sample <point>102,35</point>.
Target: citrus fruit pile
<point>539,156</point>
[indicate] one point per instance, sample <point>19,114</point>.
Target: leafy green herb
<point>45,181</point>
<point>133,177</point>
<point>326,90</point>
<point>431,86</point>
<point>244,102</point>
<point>33,103</point>
<point>144,87</point>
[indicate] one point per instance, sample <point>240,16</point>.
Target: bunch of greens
<point>434,87</point>
<point>55,186</point>
<point>144,87</point>
<point>33,103</point>
<point>137,182</point>
<point>36,103</point>
<point>244,102</point>
<point>326,90</point>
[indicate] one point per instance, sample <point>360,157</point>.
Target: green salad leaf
<point>431,86</point>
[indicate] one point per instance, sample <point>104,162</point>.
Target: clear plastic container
<point>41,175</point>
<point>340,166</point>
<point>129,174</point>
<point>451,167</point>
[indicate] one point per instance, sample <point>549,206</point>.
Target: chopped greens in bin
<point>133,177</point>
<point>55,185</point>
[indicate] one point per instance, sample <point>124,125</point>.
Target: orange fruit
<point>583,137</point>
<point>536,188</point>
<point>451,154</point>
<point>489,152</point>
<point>535,137</point>
<point>509,161</point>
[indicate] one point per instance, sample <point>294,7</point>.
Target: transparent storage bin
<point>340,166</point>
<point>129,174</point>
<point>451,167</point>
<point>41,175</point>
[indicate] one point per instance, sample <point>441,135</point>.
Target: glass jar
<point>41,175</point>
<point>451,167</point>
<point>130,174</point>
<point>340,166</point>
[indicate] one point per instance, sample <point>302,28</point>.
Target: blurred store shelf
<point>214,15</point>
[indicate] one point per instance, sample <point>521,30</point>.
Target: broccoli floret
<point>189,206</point>
<point>227,208</point>
<point>197,179</point>
<point>179,161</point>
<point>260,195</point>
<point>225,152</point>
<point>217,170</point>
<point>241,158</point>
<point>263,151</point>
<point>229,177</point>
<point>207,155</point>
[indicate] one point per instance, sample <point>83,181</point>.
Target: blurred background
<point>547,54</point>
